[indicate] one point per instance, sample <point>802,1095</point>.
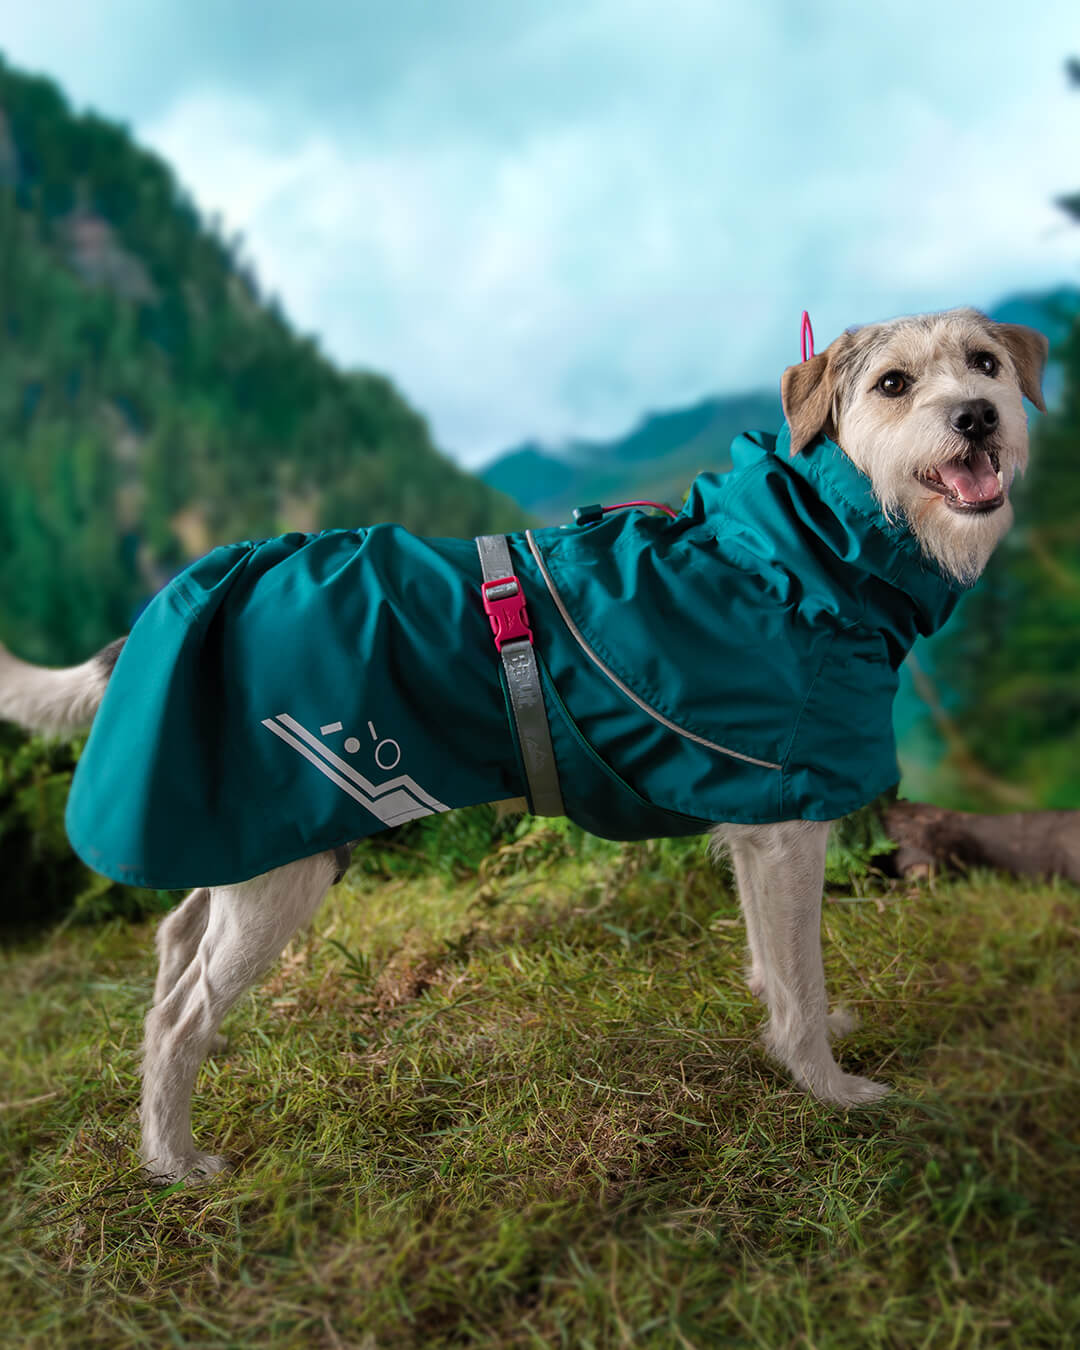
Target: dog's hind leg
<point>177,940</point>
<point>245,928</point>
<point>781,871</point>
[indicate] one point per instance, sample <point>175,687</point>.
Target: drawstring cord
<point>589,515</point>
<point>621,506</point>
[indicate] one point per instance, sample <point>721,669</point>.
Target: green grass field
<point>529,1108</point>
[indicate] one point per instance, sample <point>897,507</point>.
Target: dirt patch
<point>405,977</point>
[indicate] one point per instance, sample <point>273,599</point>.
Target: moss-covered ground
<point>527,1106</point>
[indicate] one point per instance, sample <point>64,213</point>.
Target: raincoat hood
<point>878,561</point>
<point>737,663</point>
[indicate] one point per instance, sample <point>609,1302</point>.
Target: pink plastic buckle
<point>504,604</point>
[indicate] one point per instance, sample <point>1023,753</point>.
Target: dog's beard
<point>959,541</point>
<point>961,545</point>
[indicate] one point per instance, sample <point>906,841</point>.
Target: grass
<point>529,1109</point>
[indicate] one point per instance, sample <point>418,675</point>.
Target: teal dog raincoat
<point>737,663</point>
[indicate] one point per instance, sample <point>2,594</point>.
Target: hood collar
<point>887,548</point>
<point>898,588</point>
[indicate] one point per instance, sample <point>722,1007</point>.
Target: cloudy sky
<point>545,217</point>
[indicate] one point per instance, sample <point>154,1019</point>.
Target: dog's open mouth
<point>971,482</point>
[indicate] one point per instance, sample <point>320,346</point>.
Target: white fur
<point>53,702</point>
<point>780,871</point>
<point>221,940</point>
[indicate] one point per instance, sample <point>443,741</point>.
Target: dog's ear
<point>806,392</point>
<point>1028,349</point>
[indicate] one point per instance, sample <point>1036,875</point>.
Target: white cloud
<point>543,221</point>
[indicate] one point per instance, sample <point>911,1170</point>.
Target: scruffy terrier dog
<point>930,409</point>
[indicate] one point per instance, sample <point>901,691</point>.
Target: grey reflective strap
<point>523,683</point>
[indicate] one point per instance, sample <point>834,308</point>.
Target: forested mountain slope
<point>153,404</point>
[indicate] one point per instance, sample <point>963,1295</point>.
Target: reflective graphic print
<point>393,802</point>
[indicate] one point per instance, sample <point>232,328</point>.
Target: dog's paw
<point>850,1090</point>
<point>824,1079</point>
<point>755,982</point>
<point>195,1169</point>
<point>840,1021</point>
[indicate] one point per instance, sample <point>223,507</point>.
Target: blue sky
<point>544,219</point>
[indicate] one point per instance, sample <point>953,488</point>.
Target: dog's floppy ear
<point>1028,349</point>
<point>806,392</point>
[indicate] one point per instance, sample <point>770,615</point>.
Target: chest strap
<point>504,604</point>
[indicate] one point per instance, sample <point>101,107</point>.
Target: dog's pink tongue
<point>973,479</point>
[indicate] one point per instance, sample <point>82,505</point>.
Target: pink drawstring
<point>807,332</point>
<point>621,506</point>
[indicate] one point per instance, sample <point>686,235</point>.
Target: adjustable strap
<point>504,604</point>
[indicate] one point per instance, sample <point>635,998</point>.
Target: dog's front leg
<point>780,871</point>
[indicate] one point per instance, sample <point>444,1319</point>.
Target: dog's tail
<point>54,702</point>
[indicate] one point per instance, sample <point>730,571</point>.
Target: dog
<point>927,413</point>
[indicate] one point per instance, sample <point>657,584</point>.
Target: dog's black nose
<point>975,418</point>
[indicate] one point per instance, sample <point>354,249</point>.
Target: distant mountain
<point>662,454</point>
<point>153,403</point>
<point>658,459</point>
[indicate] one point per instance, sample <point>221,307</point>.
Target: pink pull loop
<point>807,335</point>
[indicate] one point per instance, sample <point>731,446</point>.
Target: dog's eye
<point>893,382</point>
<point>986,362</point>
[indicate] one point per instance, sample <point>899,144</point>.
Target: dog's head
<point>931,409</point>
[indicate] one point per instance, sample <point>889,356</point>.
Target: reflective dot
<point>352,745</point>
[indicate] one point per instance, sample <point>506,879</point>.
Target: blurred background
<point>465,265</point>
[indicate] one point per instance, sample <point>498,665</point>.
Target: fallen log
<point>1027,843</point>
